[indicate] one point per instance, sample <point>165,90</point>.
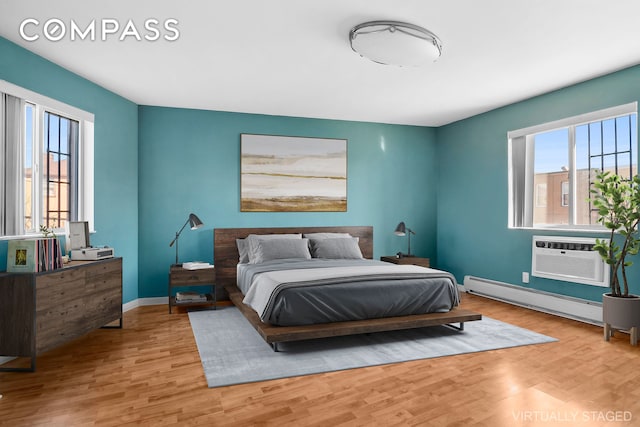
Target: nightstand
<point>181,277</point>
<point>410,260</point>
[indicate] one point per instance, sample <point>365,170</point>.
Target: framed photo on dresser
<point>21,256</point>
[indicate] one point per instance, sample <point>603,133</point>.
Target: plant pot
<point>621,313</point>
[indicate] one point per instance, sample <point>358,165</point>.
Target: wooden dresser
<point>40,311</point>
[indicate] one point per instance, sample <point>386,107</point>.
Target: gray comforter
<point>299,292</point>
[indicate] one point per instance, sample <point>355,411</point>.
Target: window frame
<point>85,155</point>
<point>564,193</point>
<point>519,192</point>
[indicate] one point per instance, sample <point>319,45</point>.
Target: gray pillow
<point>336,248</point>
<point>244,246</point>
<point>243,250</point>
<point>270,249</point>
<point>315,236</point>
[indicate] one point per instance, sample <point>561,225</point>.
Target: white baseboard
<point>145,301</point>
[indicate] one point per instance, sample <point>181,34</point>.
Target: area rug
<point>232,352</point>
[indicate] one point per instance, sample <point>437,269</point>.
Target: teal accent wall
<point>473,238</point>
<point>155,165</point>
<point>190,162</point>
<point>116,151</point>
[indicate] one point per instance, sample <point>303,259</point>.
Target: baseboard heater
<point>561,305</point>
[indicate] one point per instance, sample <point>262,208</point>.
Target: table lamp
<point>194,223</point>
<point>402,230</point>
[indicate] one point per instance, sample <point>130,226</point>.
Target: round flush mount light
<point>395,43</point>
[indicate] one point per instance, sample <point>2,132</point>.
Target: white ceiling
<point>292,57</point>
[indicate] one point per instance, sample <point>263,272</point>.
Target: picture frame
<point>21,256</point>
<point>292,174</point>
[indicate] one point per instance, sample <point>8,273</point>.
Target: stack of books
<point>34,255</point>
<point>182,297</point>
<point>196,265</point>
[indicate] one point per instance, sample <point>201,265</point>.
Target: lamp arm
<point>178,233</point>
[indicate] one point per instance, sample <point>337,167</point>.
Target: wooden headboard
<point>225,251</point>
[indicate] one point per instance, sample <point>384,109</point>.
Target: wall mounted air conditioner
<point>571,259</point>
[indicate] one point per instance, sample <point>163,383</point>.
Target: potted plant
<point>618,204</point>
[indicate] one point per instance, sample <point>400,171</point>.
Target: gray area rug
<point>232,352</point>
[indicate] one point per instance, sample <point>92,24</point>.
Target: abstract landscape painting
<point>293,174</point>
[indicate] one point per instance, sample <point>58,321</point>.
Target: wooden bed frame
<point>226,256</point>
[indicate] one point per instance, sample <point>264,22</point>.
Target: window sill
<point>36,236</point>
<point>566,229</point>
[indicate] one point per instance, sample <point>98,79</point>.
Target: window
<point>541,195</point>
<point>47,167</point>
<point>564,201</point>
<point>59,163</point>
<point>552,166</point>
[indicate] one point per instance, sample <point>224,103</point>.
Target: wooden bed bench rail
<point>275,334</point>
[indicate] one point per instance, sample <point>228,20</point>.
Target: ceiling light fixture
<point>395,43</point>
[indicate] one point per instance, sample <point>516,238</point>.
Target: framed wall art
<point>292,174</point>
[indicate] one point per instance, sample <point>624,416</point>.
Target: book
<point>196,265</point>
<point>182,301</point>
<point>190,297</point>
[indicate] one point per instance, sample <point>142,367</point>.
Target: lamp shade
<point>401,229</point>
<point>395,43</point>
<point>194,222</point>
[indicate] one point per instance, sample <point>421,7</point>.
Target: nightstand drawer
<point>187,277</point>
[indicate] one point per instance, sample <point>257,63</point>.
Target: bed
<point>311,298</point>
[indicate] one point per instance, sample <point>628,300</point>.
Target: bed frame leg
<point>457,328</point>
<point>274,345</point>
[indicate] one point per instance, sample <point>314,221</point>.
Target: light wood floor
<point>149,373</point>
